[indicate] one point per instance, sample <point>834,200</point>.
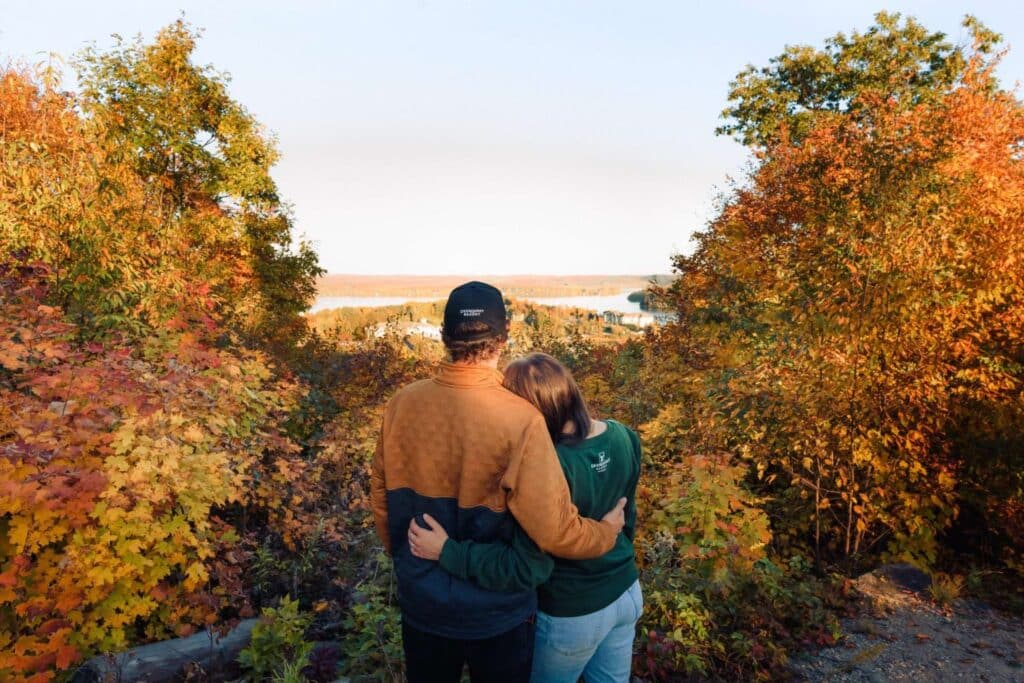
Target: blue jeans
<point>598,645</point>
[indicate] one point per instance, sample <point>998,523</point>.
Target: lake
<point>601,303</point>
<point>324,303</point>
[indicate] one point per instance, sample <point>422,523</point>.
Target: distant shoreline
<point>420,286</point>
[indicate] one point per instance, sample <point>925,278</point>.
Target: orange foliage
<point>115,461</point>
<point>857,302</point>
<point>132,421</point>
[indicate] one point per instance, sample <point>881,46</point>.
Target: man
<point>479,460</point>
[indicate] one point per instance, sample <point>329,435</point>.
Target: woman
<point>588,608</point>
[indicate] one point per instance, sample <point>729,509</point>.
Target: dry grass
<point>946,588</point>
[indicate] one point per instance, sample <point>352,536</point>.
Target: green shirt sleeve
<point>507,567</point>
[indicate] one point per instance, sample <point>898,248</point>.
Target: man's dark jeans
<point>505,658</point>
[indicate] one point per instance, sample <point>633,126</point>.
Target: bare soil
<point>901,635</point>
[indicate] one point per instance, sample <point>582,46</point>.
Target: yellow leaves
<point>195,576</point>
<point>100,575</point>
<point>124,438</point>
<point>144,485</point>
<point>193,434</point>
<point>116,454</point>
<point>946,480</point>
<point>17,533</point>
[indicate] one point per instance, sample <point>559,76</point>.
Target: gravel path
<point>903,636</point>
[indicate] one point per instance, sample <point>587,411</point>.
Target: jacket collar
<point>452,375</point>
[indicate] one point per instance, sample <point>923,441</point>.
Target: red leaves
<point>9,577</point>
<point>48,628</point>
<point>94,465</point>
<point>66,656</point>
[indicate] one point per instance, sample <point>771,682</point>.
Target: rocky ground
<point>901,635</point>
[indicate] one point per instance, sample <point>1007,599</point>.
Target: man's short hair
<point>462,351</point>
<point>475,322</point>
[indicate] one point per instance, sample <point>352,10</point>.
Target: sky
<point>430,137</point>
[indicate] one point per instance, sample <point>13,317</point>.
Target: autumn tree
<point>151,184</point>
<point>856,306</point>
<point>143,253</point>
<point>208,163</point>
<point>899,60</point>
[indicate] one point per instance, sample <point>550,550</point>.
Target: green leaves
<point>805,87</point>
<point>150,194</point>
<point>278,643</point>
<point>373,645</point>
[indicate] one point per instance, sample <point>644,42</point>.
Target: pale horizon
<point>442,138</point>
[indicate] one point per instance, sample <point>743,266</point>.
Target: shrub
<point>278,648</point>
<point>946,588</point>
<point>373,628</point>
<point>676,635</point>
<point>715,605</point>
<point>120,461</point>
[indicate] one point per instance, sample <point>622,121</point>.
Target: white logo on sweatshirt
<point>602,462</point>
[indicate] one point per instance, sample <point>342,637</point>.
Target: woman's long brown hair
<point>547,384</point>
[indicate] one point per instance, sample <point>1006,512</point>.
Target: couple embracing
<point>509,512</point>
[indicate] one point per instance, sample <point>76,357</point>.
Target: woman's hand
<point>616,516</point>
<point>427,543</point>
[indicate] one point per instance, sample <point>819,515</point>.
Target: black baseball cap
<point>476,302</point>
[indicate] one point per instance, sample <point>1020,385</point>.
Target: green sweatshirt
<point>599,470</point>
